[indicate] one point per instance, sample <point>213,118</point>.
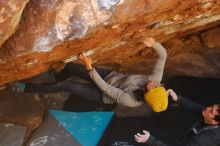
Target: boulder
<point>21,109</point>
<point>211,38</point>
<point>51,32</point>
<point>10,15</point>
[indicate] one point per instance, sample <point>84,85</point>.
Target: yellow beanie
<point>157,99</point>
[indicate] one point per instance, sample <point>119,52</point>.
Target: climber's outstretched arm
<point>157,73</point>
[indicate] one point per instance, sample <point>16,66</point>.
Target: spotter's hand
<point>142,138</point>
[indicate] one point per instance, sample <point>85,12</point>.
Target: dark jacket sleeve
<point>207,138</point>
<point>190,106</point>
<point>153,141</point>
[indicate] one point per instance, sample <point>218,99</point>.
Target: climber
<point>110,86</point>
<point>204,132</point>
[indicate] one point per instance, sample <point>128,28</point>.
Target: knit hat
<point>157,99</point>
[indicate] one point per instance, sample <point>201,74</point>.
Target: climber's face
<point>151,85</point>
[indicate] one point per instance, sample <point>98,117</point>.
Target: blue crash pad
<point>86,127</point>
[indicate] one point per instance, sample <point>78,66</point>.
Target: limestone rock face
<point>52,31</point>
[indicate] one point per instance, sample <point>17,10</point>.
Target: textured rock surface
<point>212,38</point>
<point>21,109</point>
<point>189,56</point>
<point>52,31</point>
<point>10,13</point>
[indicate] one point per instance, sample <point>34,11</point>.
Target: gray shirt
<point>118,87</point>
